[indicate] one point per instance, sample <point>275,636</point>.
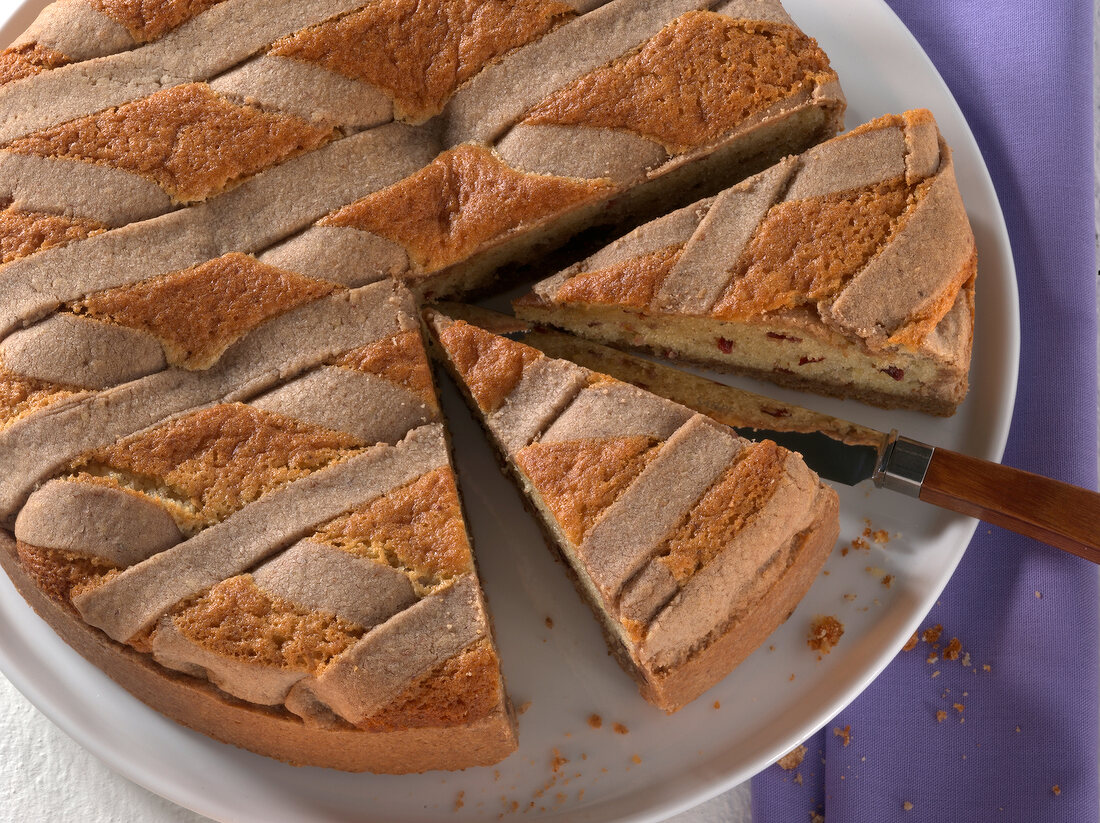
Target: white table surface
<point>46,776</point>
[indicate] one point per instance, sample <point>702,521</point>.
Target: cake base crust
<point>273,733</point>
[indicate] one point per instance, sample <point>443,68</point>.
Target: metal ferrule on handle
<point>902,464</point>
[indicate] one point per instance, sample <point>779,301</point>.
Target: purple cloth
<point>1021,70</point>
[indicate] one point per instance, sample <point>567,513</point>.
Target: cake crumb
<point>798,778</point>
<point>844,734</point>
<point>966,660</point>
<point>825,632</point>
<point>792,759</point>
<point>932,634</point>
<point>817,817</point>
<point>888,580</point>
<point>1017,730</point>
<point>1056,789</point>
<point>635,759</point>
<point>959,707</point>
<point>880,536</point>
<point>907,806</point>
<point>523,707</point>
<point>557,762</point>
<point>460,801</point>
<point>1038,595</point>
<point>549,622</point>
<point>619,728</point>
<point>792,674</point>
<point>861,544</point>
<point>932,658</point>
<point>910,644</point>
<point>935,674</point>
<point>941,716</point>
<point>717,705</point>
<point>849,597</point>
<point>953,650</point>
<point>595,721</point>
<point>844,552</point>
<point>986,667</point>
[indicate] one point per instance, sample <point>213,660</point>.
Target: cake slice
<point>690,543</point>
<point>848,270</point>
<point>246,514</point>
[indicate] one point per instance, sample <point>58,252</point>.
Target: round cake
<point>227,479</point>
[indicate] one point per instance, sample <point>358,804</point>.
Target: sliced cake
<point>245,513</point>
<point>848,270</point>
<point>690,543</point>
<point>212,396</point>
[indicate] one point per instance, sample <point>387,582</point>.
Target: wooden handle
<point>1057,513</point>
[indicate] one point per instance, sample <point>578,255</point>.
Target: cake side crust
<point>676,687</point>
<point>200,706</point>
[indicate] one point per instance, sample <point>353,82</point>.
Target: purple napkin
<point>1023,747</point>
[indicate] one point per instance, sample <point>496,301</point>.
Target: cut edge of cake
<point>896,330</point>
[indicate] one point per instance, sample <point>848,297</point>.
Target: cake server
<point>1057,513</point>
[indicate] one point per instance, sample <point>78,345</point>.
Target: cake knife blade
<point>1057,513</point>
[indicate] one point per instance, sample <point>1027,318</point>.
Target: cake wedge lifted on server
<point>848,270</point>
<point>690,543</point>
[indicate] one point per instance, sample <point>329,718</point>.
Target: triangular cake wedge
<point>848,270</point>
<point>246,514</point>
<point>690,543</point>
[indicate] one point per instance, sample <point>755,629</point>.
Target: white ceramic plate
<point>565,671</point>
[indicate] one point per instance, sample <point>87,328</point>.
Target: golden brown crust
<point>730,504</point>
<point>212,462</point>
<point>420,51</point>
<point>417,528</point>
<point>239,620</point>
<point>147,20</point>
<point>270,732</point>
<point>21,395</point>
<point>490,366</point>
<point>632,282</point>
<point>22,233</point>
<point>805,251</point>
<point>401,359</point>
<point>59,573</point>
<point>458,691</point>
<point>186,139</point>
<point>579,479</point>
<point>461,200</point>
<point>199,312</point>
<point>17,62</point>
<point>698,78</point>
